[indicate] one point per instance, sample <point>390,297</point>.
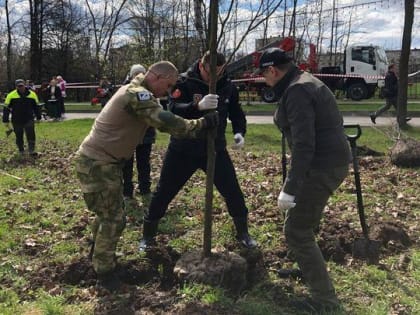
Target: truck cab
<point>365,67</point>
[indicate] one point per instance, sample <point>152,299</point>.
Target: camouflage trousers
<point>101,184</point>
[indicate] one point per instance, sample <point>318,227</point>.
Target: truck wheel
<point>357,91</point>
<point>268,95</point>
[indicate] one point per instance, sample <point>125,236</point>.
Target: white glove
<point>208,102</point>
<point>285,201</point>
<point>239,141</point>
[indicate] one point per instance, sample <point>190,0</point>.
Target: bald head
<point>161,77</point>
<point>165,69</point>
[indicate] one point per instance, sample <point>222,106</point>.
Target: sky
<point>377,22</point>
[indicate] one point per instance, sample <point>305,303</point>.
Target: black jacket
<point>22,106</point>
<point>57,94</point>
<point>391,85</point>
<point>183,101</point>
<point>308,116</point>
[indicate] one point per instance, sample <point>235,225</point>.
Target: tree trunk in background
<point>403,67</point>
<point>9,48</point>
<point>198,23</point>
<point>35,64</point>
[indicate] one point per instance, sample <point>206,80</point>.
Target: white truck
<point>362,71</point>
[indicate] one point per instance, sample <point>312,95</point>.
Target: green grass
<point>344,106</point>
<point>43,225</point>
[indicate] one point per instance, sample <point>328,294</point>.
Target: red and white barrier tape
<point>373,77</point>
<point>328,75</point>
<point>259,79</point>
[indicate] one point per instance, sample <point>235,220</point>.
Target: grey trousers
<point>299,226</point>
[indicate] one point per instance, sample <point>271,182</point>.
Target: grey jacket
<point>308,116</point>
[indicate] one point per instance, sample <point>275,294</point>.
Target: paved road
<point>361,120</point>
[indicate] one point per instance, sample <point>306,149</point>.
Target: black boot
<point>149,233</point>
<point>242,235</point>
<point>109,281</point>
<point>373,118</point>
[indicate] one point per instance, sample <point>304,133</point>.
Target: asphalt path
<point>267,119</point>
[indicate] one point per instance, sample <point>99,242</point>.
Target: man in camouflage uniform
<point>112,140</point>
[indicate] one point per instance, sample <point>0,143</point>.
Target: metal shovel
<point>362,247</point>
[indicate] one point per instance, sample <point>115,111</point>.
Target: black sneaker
<point>373,118</point>
<point>407,118</point>
<point>310,306</point>
<point>246,240</point>
<point>109,281</point>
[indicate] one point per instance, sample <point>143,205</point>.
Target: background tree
<point>36,17</point>
<point>105,19</point>
<point>405,55</point>
<point>8,45</point>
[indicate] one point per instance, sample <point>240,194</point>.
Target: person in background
<point>104,91</point>
<point>53,100</point>
<point>62,84</point>
<point>308,116</point>
<point>184,157</point>
<point>142,152</point>
<point>30,85</point>
<point>22,103</point>
<point>390,92</point>
<point>111,141</point>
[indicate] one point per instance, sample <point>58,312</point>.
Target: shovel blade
<point>367,249</point>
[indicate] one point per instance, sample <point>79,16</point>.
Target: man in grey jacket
<point>308,116</point>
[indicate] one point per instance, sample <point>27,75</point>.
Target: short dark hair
<point>392,65</point>
<point>221,60</point>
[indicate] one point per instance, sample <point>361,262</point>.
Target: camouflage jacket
<point>125,119</point>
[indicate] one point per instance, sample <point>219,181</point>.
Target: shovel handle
<point>360,207</point>
<point>355,136</point>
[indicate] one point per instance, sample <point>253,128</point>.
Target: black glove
<point>211,120</point>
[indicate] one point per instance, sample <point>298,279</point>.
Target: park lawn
<point>260,107</point>
<point>44,233</point>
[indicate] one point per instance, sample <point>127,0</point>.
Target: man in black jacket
<point>23,104</point>
<point>185,156</point>
<point>390,92</point>
<point>308,116</point>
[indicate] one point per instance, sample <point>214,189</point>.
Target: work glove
<point>211,120</point>
<point>208,102</point>
<point>285,201</point>
<point>239,141</point>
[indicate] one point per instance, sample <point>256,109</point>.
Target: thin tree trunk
<point>211,134</point>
